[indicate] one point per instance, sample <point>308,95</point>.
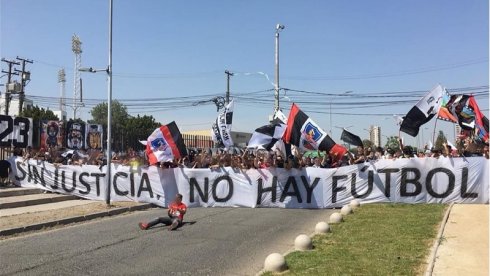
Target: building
<point>203,139</point>
<point>61,115</point>
<point>375,135</point>
<point>13,105</point>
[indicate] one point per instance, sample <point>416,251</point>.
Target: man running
<point>176,211</point>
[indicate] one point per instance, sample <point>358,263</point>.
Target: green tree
<point>119,114</point>
<point>367,143</point>
<point>37,113</point>
<point>440,140</point>
<point>392,143</point>
<point>136,129</point>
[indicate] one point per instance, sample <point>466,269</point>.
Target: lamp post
<point>108,70</point>
<point>279,27</point>
<point>333,97</point>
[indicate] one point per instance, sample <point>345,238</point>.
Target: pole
<point>434,133</point>
<point>24,77</point>
<point>109,111</point>
<point>228,74</point>
<point>11,64</point>
<point>331,118</point>
<point>276,87</point>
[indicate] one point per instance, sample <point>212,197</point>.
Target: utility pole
<point>11,64</point>
<point>228,75</point>
<point>279,27</point>
<point>25,76</point>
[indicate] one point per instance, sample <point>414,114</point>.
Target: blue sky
<point>181,48</point>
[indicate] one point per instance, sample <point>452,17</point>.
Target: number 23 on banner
<point>14,131</point>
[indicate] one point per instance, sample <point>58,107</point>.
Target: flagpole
<point>434,133</point>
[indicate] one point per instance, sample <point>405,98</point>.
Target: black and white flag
<point>351,138</point>
<point>221,129</point>
<point>423,111</point>
<point>265,137</point>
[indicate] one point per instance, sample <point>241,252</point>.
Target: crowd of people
<point>251,158</point>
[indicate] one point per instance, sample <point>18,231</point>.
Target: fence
<point>197,141</point>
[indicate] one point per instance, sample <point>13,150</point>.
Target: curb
<point>19,192</point>
<point>64,221</point>
<point>37,201</point>
<point>437,242</point>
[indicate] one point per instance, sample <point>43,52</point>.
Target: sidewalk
<point>28,209</point>
<point>464,244</point>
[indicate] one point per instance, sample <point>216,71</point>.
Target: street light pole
<point>109,110</point>
<point>228,75</point>
<point>279,27</point>
<point>108,70</point>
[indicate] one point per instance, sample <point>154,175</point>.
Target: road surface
<point>215,241</point>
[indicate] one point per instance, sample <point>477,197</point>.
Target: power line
<point>393,74</point>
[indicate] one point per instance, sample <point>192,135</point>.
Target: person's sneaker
<point>174,225</point>
<point>143,226</point>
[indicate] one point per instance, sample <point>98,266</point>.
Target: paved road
<point>220,241</point>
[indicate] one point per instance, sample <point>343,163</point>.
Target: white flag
<point>221,129</point>
<point>423,111</point>
<point>279,115</point>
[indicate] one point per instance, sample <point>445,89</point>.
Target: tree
<point>367,143</point>
<point>441,139</point>
<point>37,113</point>
<point>119,114</point>
<point>392,143</point>
<point>136,129</point>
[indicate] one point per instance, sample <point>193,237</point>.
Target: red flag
<point>165,144</point>
<point>304,133</point>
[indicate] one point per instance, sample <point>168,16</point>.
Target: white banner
<point>15,131</point>
<point>425,180</point>
<point>221,129</point>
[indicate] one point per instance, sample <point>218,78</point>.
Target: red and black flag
<point>304,133</point>
<point>468,115</point>
<point>165,144</point>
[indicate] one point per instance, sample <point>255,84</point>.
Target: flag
<point>398,120</point>
<point>279,115</point>
<point>51,134</point>
<point>221,129</point>
<point>165,144</point>
<point>75,135</point>
<point>351,138</point>
<point>423,111</point>
<point>481,122</point>
<point>93,136</point>
<point>468,115</point>
<point>304,133</point>
<point>266,136</point>
<point>444,112</point>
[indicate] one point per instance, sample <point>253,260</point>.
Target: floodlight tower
<point>62,81</point>
<point>76,47</point>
